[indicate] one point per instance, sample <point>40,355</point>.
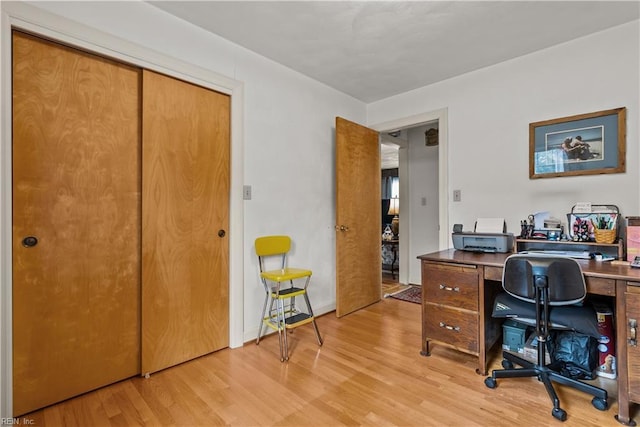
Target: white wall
<point>423,183</point>
<point>489,113</point>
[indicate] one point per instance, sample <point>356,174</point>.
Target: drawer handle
<point>449,327</point>
<point>633,331</point>
<point>449,288</point>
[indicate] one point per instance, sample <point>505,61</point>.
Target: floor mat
<point>412,294</point>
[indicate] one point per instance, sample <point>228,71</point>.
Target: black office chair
<point>541,290</point>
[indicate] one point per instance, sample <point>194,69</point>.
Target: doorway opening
<point>418,145</point>
<point>390,208</point>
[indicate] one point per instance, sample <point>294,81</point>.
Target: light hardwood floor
<point>392,288</point>
<point>390,284</point>
<point>369,372</point>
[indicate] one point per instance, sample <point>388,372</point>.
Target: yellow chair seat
<point>285,274</point>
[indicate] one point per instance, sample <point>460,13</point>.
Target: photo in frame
<point>585,144</point>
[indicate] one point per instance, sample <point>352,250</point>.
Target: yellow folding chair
<point>279,311</point>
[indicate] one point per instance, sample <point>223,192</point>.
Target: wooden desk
<point>458,289</point>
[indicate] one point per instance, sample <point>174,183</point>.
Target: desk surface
<point>590,268</point>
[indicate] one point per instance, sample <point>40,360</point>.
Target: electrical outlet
<point>457,195</point>
<point>246,192</point>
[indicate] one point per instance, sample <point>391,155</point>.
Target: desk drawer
<point>493,273</point>
<point>457,328</point>
<point>454,286</point>
<point>601,286</point>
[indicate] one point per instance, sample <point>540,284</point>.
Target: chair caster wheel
<point>559,414</point>
<point>507,364</point>
<point>490,382</point>
<point>600,404</point>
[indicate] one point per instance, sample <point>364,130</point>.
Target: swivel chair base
<point>545,283</point>
<point>546,375</point>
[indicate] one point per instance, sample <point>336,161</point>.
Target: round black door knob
<point>221,233</point>
<point>29,241</point>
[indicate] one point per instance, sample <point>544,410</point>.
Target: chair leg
<point>557,411</point>
<point>315,325</point>
<point>264,313</point>
<point>579,385</point>
<point>515,373</point>
<point>282,330</point>
<point>280,344</point>
<point>544,377</point>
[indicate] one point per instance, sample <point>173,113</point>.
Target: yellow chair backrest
<point>272,245</point>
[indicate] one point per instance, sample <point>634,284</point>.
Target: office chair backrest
<point>562,275</point>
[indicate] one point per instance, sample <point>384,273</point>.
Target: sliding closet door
<point>185,210</point>
<point>76,222</point>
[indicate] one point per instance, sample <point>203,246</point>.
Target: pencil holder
<point>604,235</point>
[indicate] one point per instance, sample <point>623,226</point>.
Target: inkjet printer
<point>489,235</point>
<point>483,242</point>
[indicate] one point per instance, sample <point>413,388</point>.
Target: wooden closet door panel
<point>76,187</point>
<point>185,187</point>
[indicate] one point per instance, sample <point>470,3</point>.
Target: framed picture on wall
<point>586,144</point>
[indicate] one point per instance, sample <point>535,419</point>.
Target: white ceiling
<point>375,49</point>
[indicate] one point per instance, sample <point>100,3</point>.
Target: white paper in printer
<point>489,225</point>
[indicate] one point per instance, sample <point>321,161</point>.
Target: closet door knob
<point>221,233</point>
<point>29,241</point>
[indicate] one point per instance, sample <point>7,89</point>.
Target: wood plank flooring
<point>390,284</point>
<point>392,288</point>
<point>368,372</point>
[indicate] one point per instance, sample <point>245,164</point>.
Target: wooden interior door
<point>76,189</point>
<point>185,211</point>
<point>358,217</point>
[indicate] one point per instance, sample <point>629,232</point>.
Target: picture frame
<point>585,144</point>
